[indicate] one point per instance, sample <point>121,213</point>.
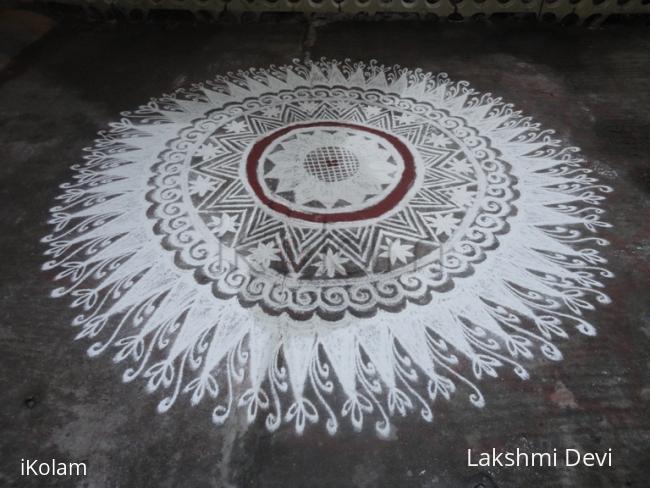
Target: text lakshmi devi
<point>554,458</point>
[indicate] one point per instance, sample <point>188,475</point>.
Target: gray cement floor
<point>592,86</point>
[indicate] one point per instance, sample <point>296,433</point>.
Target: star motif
<point>331,263</point>
<point>206,151</point>
<point>341,105</point>
<point>236,127</point>
<point>272,112</point>
<point>200,186</point>
<point>460,166</point>
<point>224,224</point>
<point>308,107</point>
<point>461,196</point>
<point>405,118</point>
<point>438,140</point>
<point>443,224</point>
<point>264,254</point>
<point>395,251</point>
<point>371,111</point>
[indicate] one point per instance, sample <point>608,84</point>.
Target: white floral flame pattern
<point>189,336</point>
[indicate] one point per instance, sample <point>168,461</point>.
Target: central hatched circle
<point>332,152</point>
<point>331,164</point>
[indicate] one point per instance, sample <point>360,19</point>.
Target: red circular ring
<point>376,210</point>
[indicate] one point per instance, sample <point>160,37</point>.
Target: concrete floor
<point>592,86</point>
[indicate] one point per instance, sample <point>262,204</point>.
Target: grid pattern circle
<point>331,163</point>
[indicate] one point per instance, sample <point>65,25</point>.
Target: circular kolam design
<point>327,241</point>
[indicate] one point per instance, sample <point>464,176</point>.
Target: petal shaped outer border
<point>135,300</point>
